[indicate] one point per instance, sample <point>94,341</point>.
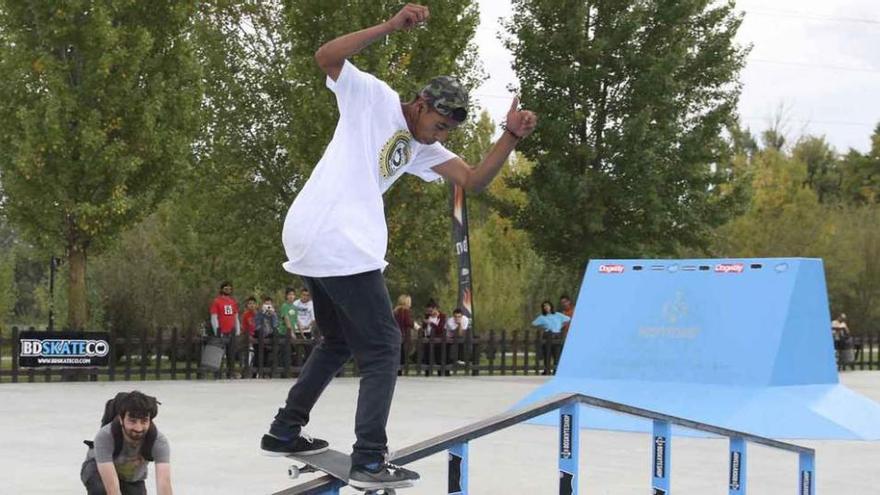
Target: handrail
<point>498,422</point>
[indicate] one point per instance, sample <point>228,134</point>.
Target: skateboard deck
<point>333,463</point>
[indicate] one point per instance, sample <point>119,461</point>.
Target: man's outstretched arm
<point>332,55</point>
<point>520,124</point>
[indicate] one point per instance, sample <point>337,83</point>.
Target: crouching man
<point>116,463</point>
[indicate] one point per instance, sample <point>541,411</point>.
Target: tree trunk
<point>77,305</point>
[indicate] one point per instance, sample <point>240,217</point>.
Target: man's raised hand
<point>409,17</point>
<point>520,123</point>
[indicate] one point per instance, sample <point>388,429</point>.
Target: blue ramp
<point>744,344</point>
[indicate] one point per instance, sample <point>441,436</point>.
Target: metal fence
<point>169,354</point>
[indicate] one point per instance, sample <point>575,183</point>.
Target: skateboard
<point>333,463</point>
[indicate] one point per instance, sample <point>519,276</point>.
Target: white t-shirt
<point>305,313</point>
<point>336,224</point>
<point>452,326</point>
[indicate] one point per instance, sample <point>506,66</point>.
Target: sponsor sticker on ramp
<point>611,268</point>
<point>729,268</point>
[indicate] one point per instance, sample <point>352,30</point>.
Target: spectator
<point>843,341</point>
<point>249,331</point>
<point>551,323</point>
<point>274,334</point>
<point>305,314</point>
<point>403,317</point>
<point>456,329</point>
<point>289,322</point>
<point>224,319</point>
<point>457,326</point>
<point>116,463</point>
<point>289,312</point>
<point>568,310</point>
<point>434,321</point>
<point>434,327</point>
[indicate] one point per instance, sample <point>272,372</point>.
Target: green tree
<point>268,118</point>
<point>860,182</point>
<point>821,160</point>
<point>784,217</point>
<point>98,104</point>
<point>633,98</point>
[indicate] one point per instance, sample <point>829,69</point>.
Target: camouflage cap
<point>447,96</point>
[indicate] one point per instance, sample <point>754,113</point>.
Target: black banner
<point>63,349</point>
<point>460,242</point>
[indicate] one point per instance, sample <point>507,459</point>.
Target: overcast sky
<point>819,60</point>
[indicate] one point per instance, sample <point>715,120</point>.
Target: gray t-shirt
<point>130,465</point>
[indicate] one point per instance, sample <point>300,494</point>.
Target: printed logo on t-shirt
<point>395,154</point>
<point>227,309</point>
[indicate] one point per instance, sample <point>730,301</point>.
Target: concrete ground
<point>214,429</point>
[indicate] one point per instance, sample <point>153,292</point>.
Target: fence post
<point>504,352</point>
<point>159,347</point>
<point>569,448</point>
<point>144,354</point>
<point>174,348</point>
<point>15,353</point>
<point>189,354</point>
<point>660,466</point>
<point>544,343</point>
<point>490,351</point>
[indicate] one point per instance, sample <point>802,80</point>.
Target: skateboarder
<point>335,236</point>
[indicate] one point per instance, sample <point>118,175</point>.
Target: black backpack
<point>110,415</point>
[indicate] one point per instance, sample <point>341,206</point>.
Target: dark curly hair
<point>138,405</point>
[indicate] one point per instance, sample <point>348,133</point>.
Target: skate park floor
<point>214,429</point>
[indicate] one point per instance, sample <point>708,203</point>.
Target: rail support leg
<point>458,469</point>
<point>569,448</point>
<point>660,468</point>
<point>737,478</point>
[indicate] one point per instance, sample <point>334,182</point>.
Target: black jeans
<point>94,486</point>
<point>354,313</point>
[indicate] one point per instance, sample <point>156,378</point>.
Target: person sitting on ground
<point>116,463</point>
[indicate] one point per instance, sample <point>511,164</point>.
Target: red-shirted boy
<point>224,322</point>
<point>224,312</point>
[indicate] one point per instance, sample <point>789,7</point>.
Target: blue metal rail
<point>568,405</point>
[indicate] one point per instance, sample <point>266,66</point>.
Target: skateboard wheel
<point>293,472</point>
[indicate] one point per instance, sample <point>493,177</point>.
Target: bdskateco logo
<point>659,457</point>
<point>66,348</point>
<point>735,470</point>
<point>806,483</point>
<point>729,268</point>
<point>565,439</point>
<point>611,268</point>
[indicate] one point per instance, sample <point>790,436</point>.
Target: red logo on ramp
<point>729,268</point>
<point>610,268</point>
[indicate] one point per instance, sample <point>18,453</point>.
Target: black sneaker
<point>301,445</point>
<point>386,475</point>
